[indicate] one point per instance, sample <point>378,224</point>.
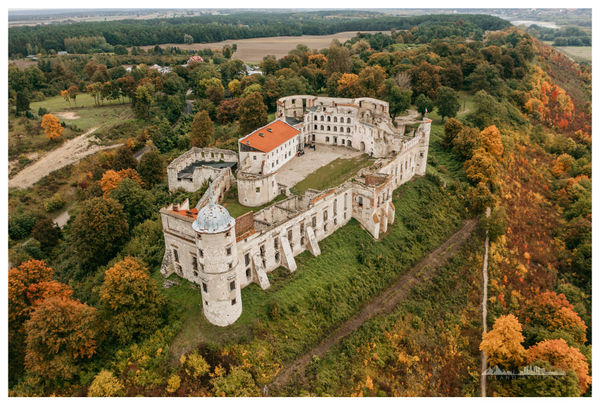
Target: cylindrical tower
<point>217,263</point>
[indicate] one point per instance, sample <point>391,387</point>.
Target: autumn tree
<point>252,113</point>
<point>111,179</point>
<point>426,79</point>
<point>503,344</point>
<point>562,165</point>
<point>142,100</point>
<point>72,93</point>
<point>131,304</point>
<point>370,79</point>
<point>52,128</point>
<point>451,128</point>
<point>237,383</point>
<point>492,142</point>
<point>480,197</point>
<point>105,384</point>
<point>481,167</point>
<point>466,142</point>
<point>338,59</point>
<point>549,315</point>
<point>151,168</point>
<point>228,111</point>
<point>202,130</point>
<point>447,102</point>
<point>61,335</point>
<point>349,86</point>
<point>562,356</point>
<point>98,231</point>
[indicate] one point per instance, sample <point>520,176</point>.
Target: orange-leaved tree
<point>554,313</point>
<point>481,168</point>
<point>503,344</point>
<point>560,355</point>
<point>52,127</point>
<point>131,303</point>
<point>61,334</point>
<point>492,142</point>
<point>110,179</point>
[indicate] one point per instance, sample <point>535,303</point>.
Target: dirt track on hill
<point>385,302</point>
<point>70,152</point>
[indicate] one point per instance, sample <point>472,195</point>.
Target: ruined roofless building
<point>222,255</point>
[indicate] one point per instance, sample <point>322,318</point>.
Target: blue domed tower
<point>217,263</point>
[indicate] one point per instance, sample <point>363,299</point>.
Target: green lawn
<point>467,105</point>
<point>88,115</point>
<point>235,209</point>
<point>578,53</point>
<point>333,173</point>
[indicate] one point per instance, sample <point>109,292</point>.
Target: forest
<point>511,132</point>
<point>44,39</point>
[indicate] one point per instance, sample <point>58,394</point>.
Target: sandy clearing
<point>70,152</point>
<point>253,49</point>
<point>68,115</point>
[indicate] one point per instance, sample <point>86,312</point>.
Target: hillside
<point>511,132</point>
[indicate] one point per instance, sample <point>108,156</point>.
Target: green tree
<point>47,233</point>
<point>151,168</point>
<point>141,102</point>
<point>423,104</point>
<point>398,99</point>
<point>130,302</point>
<point>123,159</point>
<point>98,231</point>
<point>237,383</point>
<point>338,59</point>
<point>137,203</point>
<point>252,113</point>
<point>202,130</point>
<point>22,102</point>
<point>447,102</point>
<point>466,141</point>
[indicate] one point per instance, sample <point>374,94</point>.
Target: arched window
<point>342,120</point>
<point>322,117</point>
<point>348,121</point>
<point>348,130</point>
<point>328,128</point>
<point>322,128</point>
<point>328,118</point>
<point>334,119</point>
<point>326,139</point>
<point>334,129</point>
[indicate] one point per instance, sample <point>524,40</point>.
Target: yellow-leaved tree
<point>503,344</point>
<point>52,127</point>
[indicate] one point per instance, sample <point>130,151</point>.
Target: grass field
<point>230,201</point>
<point>84,112</point>
<point>332,174</point>
<point>254,49</point>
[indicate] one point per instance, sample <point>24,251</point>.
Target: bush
<point>20,225</point>
<point>54,203</point>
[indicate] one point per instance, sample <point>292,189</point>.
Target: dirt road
<point>70,152</point>
<point>384,303</point>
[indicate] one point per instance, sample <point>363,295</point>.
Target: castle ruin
<point>222,255</point>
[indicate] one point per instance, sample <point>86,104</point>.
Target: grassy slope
<point>332,174</point>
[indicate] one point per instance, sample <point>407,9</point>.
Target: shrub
<point>54,203</point>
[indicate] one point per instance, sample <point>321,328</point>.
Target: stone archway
<point>362,147</point>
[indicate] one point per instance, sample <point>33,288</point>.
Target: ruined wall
<point>256,190</point>
<point>220,185</point>
<point>196,155</point>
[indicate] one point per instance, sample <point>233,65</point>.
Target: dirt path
<point>384,303</point>
<point>484,299</point>
<point>70,152</point>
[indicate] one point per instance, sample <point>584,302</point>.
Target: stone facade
<point>198,165</point>
<point>257,243</point>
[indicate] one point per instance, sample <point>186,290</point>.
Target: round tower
<point>217,262</point>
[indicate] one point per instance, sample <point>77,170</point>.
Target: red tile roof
<point>270,136</point>
<point>193,213</point>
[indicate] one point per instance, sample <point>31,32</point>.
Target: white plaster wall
<point>247,186</point>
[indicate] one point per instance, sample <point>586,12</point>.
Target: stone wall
<point>255,190</point>
<point>197,155</point>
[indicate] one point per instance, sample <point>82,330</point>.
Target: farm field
<point>254,49</point>
<point>578,53</point>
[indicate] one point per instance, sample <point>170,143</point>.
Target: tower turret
<point>217,263</point>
